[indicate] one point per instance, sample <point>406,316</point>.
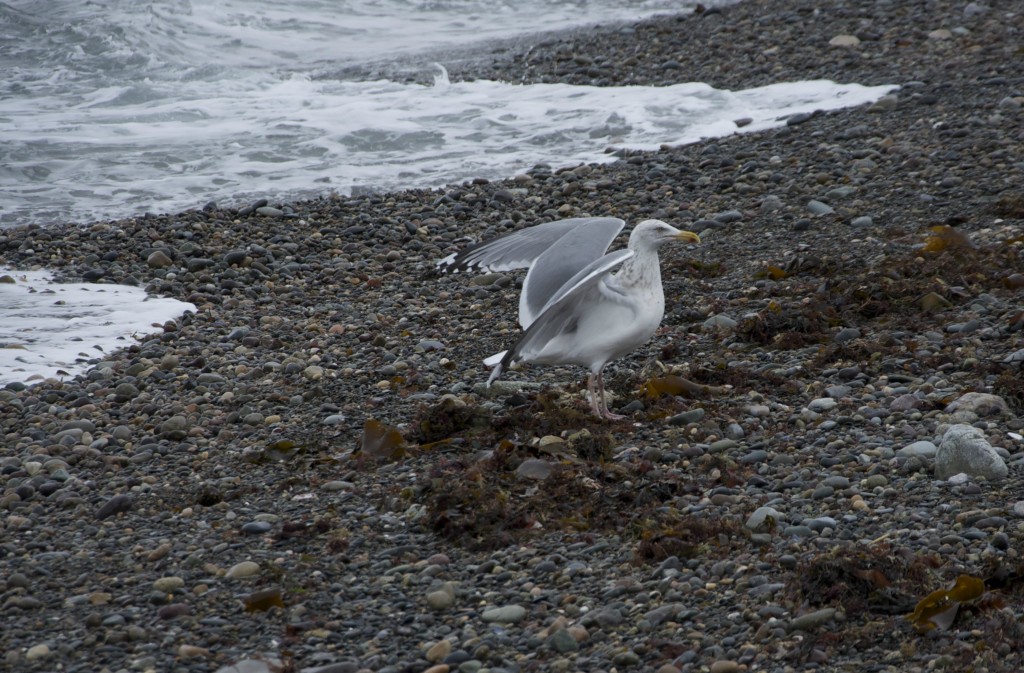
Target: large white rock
<point>965,449</point>
<point>983,404</point>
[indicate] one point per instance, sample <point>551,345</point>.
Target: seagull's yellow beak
<point>688,236</point>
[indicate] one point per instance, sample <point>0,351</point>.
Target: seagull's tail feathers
<point>495,359</point>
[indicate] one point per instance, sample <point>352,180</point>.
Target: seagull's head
<point>650,234</point>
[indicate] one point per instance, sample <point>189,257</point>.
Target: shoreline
<point>209,496</point>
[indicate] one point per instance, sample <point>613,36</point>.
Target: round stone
<point>507,614</point>
<point>243,570</point>
<point>37,652</point>
<point>168,584</point>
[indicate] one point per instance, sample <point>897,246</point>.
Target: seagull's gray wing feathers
<point>519,249</point>
<point>562,310</point>
<point>574,251</point>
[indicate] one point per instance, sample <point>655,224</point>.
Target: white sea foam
<point>286,138</point>
<point>57,330</point>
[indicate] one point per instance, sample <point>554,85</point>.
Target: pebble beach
<point>308,474</point>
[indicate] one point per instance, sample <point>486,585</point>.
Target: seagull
<point>575,308</point>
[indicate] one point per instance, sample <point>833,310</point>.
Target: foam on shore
<point>57,330</point>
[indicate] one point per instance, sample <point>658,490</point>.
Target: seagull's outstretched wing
<point>557,325</point>
<point>519,249</point>
<point>576,250</point>
<point>554,252</point>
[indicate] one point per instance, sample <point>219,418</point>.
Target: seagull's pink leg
<point>605,413</point>
<point>592,389</point>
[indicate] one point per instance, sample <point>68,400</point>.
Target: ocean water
<point>114,108</point>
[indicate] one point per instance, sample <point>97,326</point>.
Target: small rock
<point>507,614</point>
<point>725,666</point>
<point>116,505</point>
<point>822,404</point>
<point>660,614</point>
<point>336,485</point>
<point>847,334</point>
<point>844,41</point>
<point>256,527</point>
<point>626,659</point>
<point>175,427</point>
<point>438,651</point>
<point>972,9</point>
<point>691,416</point>
<point>166,585</point>
<point>887,102</point>
<point>933,302</point>
<point>764,519</point>
<point>906,402</point>
<point>561,641</point>
<point>234,257</point>
<point>268,665</point>
<point>721,445</point>
<point>728,216</point>
<point>37,652</point>
<point>158,259</point>
<point>242,570</point>
<point>441,599</point>
<point>174,611</point>
<point>186,651</point>
<point>534,468</point>
<point>720,321</point>
<point>920,449</point>
<point>837,392</point>
<point>812,620</point>
<point>819,208</point>
<point>875,481</point>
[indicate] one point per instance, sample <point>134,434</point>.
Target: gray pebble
<point>764,519</point>
<point>116,505</point>
<point>507,614</point>
<point>812,620</point>
<point>819,208</point>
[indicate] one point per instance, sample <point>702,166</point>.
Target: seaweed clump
<point>867,580</point>
<point>787,327</point>
<point>449,417</point>
<point>687,537</point>
<point>489,502</point>
<point>881,591</point>
<point>1010,386</point>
